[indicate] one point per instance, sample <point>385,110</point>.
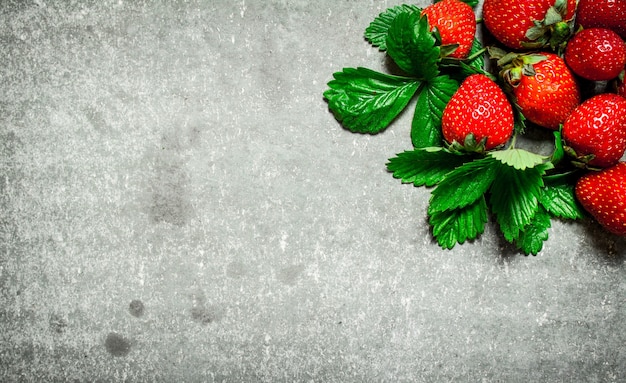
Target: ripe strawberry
<point>596,54</point>
<point>528,24</point>
<point>603,195</point>
<point>479,107</point>
<point>610,14</point>
<point>598,127</point>
<point>544,88</point>
<point>456,23</point>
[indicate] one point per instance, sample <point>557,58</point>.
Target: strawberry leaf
<point>476,58</point>
<point>532,237</point>
<point>518,158</point>
<point>412,47</point>
<point>456,226</point>
<point>464,185</point>
<point>471,3</point>
<point>424,167</point>
<point>366,101</point>
<point>376,32</point>
<point>519,125</point>
<point>515,197</point>
<point>433,98</point>
<point>559,151</point>
<point>459,69</point>
<point>560,201</point>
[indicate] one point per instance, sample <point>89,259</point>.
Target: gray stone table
<point>179,205</point>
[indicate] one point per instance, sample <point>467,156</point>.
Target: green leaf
<point>412,47</point>
<point>366,101</point>
<point>559,152</point>
<point>376,32</point>
<point>560,201</point>
<point>477,60</point>
<point>518,158</point>
<point>433,98</point>
<point>471,3</point>
<point>532,237</point>
<point>424,167</point>
<point>515,198</point>
<point>519,124</point>
<point>464,185</point>
<point>456,226</point>
<point>552,16</point>
<point>473,64</point>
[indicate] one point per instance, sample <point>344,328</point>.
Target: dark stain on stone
<point>136,308</point>
<point>28,352</point>
<point>117,345</point>
<point>204,315</point>
<point>57,323</point>
<point>96,119</point>
<point>9,144</point>
<point>289,275</point>
<point>170,202</point>
<point>236,270</point>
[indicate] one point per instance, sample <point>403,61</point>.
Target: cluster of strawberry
<point>557,65</point>
<point>547,54</point>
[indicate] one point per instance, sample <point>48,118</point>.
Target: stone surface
<point>179,205</point>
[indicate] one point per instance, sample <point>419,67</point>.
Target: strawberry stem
<point>476,54</point>
<point>513,141</point>
<point>558,177</point>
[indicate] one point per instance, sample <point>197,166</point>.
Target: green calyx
<point>553,31</point>
<point>580,161</point>
<point>515,65</point>
<point>469,145</point>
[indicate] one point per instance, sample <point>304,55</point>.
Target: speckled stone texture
<point>179,205</point>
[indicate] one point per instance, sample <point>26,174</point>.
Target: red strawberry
<point>598,127</point>
<point>596,54</point>
<point>528,24</point>
<point>544,88</point>
<point>479,107</point>
<point>456,23</point>
<point>609,14</point>
<point>603,195</point>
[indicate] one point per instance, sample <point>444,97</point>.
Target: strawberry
<point>596,54</point>
<point>456,23</point>
<point>530,23</point>
<point>597,128</point>
<point>478,108</point>
<point>543,87</point>
<point>610,14</point>
<point>603,195</point>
